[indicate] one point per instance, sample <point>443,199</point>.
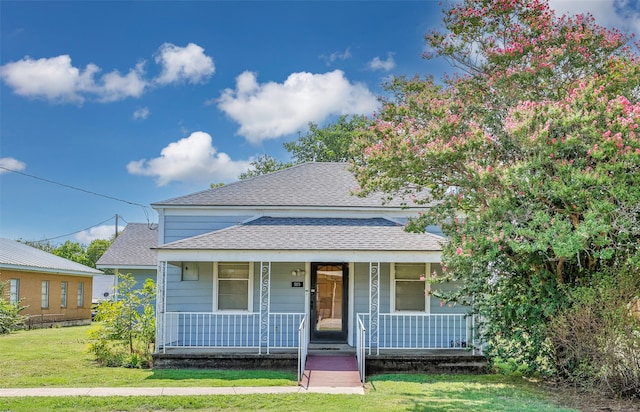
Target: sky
<point>109,106</point>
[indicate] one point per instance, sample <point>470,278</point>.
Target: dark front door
<point>329,283</point>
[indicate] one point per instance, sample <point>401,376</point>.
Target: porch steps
<point>331,370</point>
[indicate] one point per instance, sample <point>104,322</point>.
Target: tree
<point>126,332</point>
<point>96,249</point>
<point>74,251</point>
<point>531,155</point>
<point>330,143</point>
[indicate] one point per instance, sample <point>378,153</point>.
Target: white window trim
<point>64,294</point>
<point>427,288</point>
<point>249,286</point>
<point>14,290</point>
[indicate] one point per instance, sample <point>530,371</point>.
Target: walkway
<point>331,371</point>
<point>189,391</point>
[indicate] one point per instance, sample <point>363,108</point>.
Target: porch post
<point>160,305</point>
<point>374,289</point>
<point>265,292</point>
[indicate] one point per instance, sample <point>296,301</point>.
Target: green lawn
<point>58,358</point>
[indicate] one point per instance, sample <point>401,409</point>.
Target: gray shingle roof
<point>18,256</point>
<point>132,247</point>
<point>305,185</point>
<point>269,233</point>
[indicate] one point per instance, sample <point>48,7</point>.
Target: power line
<point>75,188</point>
<point>77,231</point>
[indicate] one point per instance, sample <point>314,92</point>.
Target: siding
<point>191,295</point>
<point>182,227</point>
<point>284,298</point>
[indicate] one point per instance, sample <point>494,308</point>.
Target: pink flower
<point>459,251</point>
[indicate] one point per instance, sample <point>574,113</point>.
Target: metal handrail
<point>360,349</point>
<point>303,346</point>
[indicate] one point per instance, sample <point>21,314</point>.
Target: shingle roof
<point>18,256</point>
<point>132,247</point>
<point>308,184</point>
<point>268,233</point>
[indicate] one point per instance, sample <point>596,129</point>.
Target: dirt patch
<point>588,401</point>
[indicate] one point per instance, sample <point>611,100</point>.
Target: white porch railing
<point>228,330</point>
<point>360,348</point>
<point>303,346</point>
<point>418,331</point>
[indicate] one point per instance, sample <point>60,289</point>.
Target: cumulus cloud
<point>11,164</point>
<point>55,79</point>
<point>192,158</point>
<point>97,232</point>
<point>385,65</point>
<point>141,114</point>
<point>271,110</point>
<point>336,56</point>
<point>621,14</point>
<point>184,64</point>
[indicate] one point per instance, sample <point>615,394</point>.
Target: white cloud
<point>55,79</point>
<point>271,110</point>
<point>192,158</point>
<point>184,64</point>
<point>141,114</point>
<point>97,232</point>
<point>11,164</point>
<point>385,65</point>
<point>336,56</point>
<point>621,14</point>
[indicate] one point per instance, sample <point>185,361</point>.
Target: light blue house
<point>273,263</point>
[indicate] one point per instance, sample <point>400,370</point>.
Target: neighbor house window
<point>233,286</point>
<point>63,294</point>
<point>80,294</point>
<point>45,294</point>
<point>14,290</point>
<point>408,282</point>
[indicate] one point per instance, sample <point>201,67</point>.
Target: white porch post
<point>265,292</point>
<point>160,305</point>
<point>374,290</point>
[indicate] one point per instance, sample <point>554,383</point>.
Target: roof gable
<point>133,247</point>
<point>18,256</point>
<point>314,184</point>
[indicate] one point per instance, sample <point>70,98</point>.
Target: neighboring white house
<point>243,266</point>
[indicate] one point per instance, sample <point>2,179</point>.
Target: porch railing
<point>229,330</point>
<point>418,331</point>
<point>360,348</point>
<point>303,346</point>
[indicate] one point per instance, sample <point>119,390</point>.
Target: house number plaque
<point>297,284</point>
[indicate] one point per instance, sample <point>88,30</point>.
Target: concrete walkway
<point>188,391</point>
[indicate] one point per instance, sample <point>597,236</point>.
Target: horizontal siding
<point>284,298</point>
<point>192,295</point>
<point>182,227</point>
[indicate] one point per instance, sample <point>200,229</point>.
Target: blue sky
<point>144,101</point>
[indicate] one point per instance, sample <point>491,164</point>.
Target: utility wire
<point>75,188</point>
<point>78,231</point>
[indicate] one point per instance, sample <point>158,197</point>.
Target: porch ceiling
<point>312,234</point>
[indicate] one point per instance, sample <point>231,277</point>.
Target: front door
<point>329,283</point>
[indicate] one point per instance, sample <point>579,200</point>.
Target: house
<point>132,253</point>
<point>53,289</point>
<point>278,262</point>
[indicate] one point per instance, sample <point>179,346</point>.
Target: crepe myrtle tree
<point>530,156</point>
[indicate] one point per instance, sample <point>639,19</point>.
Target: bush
<point>597,340</point>
<point>125,334</point>
<point>10,318</point>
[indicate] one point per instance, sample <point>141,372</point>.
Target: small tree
<point>10,318</point>
<point>126,332</point>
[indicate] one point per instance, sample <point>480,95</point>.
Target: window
<point>190,271</point>
<point>233,286</point>
<point>409,287</point>
<point>44,304</point>
<point>63,294</point>
<point>14,290</point>
<point>80,294</point>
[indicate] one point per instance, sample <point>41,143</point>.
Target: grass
<point>58,358</point>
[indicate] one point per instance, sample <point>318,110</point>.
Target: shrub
<point>10,317</point>
<point>125,334</point>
